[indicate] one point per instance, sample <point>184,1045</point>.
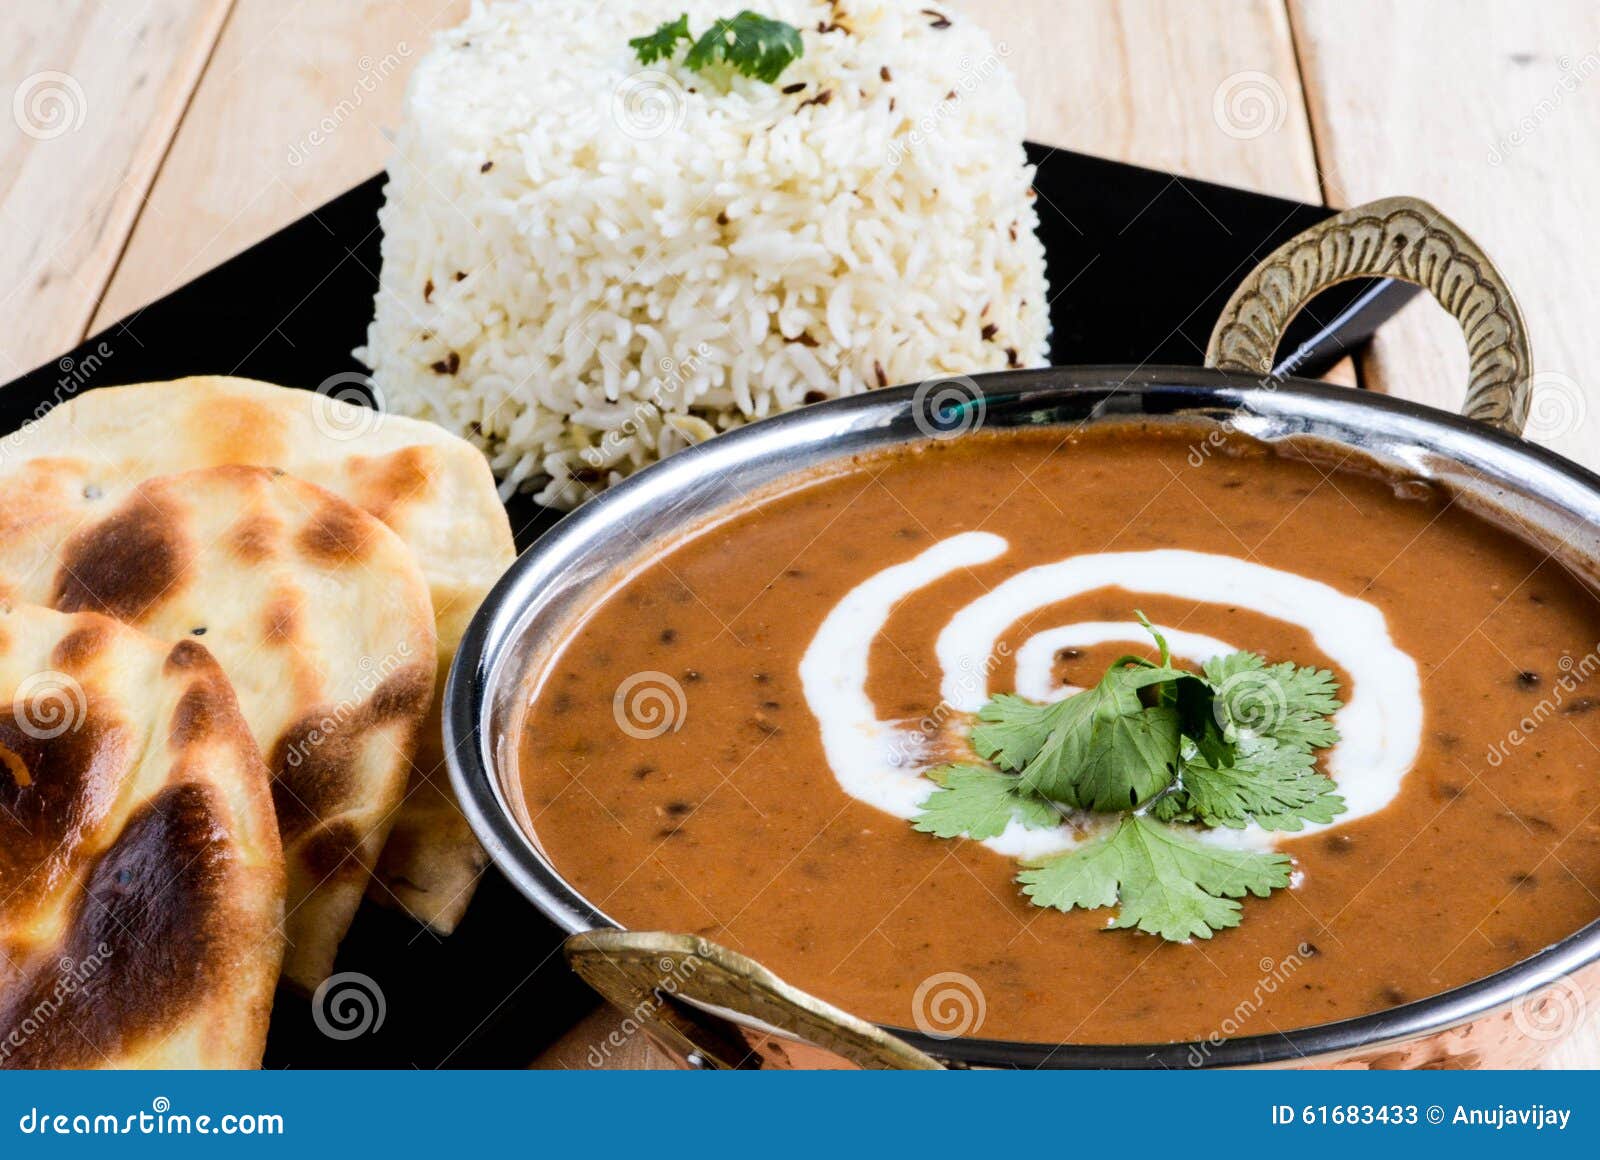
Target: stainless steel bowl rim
<point>1387,427</point>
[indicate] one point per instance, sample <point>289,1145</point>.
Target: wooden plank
<point>96,89</point>
<point>290,113</point>
<point>1205,88</point>
<point>1490,115</point>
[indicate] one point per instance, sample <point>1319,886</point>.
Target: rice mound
<point>589,263</point>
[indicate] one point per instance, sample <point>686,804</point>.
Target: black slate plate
<point>1140,262</point>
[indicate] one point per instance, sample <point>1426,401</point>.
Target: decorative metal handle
<point>657,979</point>
<point>1397,237</point>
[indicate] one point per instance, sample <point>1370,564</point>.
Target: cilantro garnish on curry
<point>1172,753</point>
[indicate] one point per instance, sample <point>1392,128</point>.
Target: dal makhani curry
<point>915,714</point>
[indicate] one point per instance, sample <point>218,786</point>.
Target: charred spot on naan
<point>404,694</point>
<point>388,484</point>
<point>153,913</point>
<point>280,620</point>
<point>335,850</point>
<point>186,655</point>
<point>201,711</point>
<point>67,789</point>
<point>336,533</point>
<point>127,563</point>
<point>158,886</point>
<point>77,649</point>
<point>314,763</point>
<point>253,537</point>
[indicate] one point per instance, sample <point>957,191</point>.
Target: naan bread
<point>316,612</point>
<point>141,881</point>
<point>433,489</point>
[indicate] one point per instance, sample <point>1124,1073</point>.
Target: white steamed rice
<point>589,264</point>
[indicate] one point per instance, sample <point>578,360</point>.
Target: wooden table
<point>151,139</point>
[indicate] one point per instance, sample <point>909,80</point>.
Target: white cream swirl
<point>1380,725</point>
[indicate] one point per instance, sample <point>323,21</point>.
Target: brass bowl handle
<point>1397,237</point>
<point>655,980</point>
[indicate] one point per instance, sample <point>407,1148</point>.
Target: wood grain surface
<point>151,139</point>
<point>97,93</point>
<point>1492,116</point>
<point>291,112</point>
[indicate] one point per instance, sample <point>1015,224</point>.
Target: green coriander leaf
<point>751,44</point>
<point>1195,701</point>
<point>663,42</point>
<point>1172,807</point>
<point>1274,785</point>
<point>1107,751</point>
<point>1013,729</point>
<point>1288,703</point>
<point>980,802</point>
<point>1087,877</point>
<point>1220,670</point>
<point>1165,881</point>
<point>1191,695</point>
<point>1109,748</point>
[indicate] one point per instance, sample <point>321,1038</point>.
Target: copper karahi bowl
<point>707,1005</point>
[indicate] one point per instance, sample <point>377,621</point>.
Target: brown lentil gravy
<point>733,826</point>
